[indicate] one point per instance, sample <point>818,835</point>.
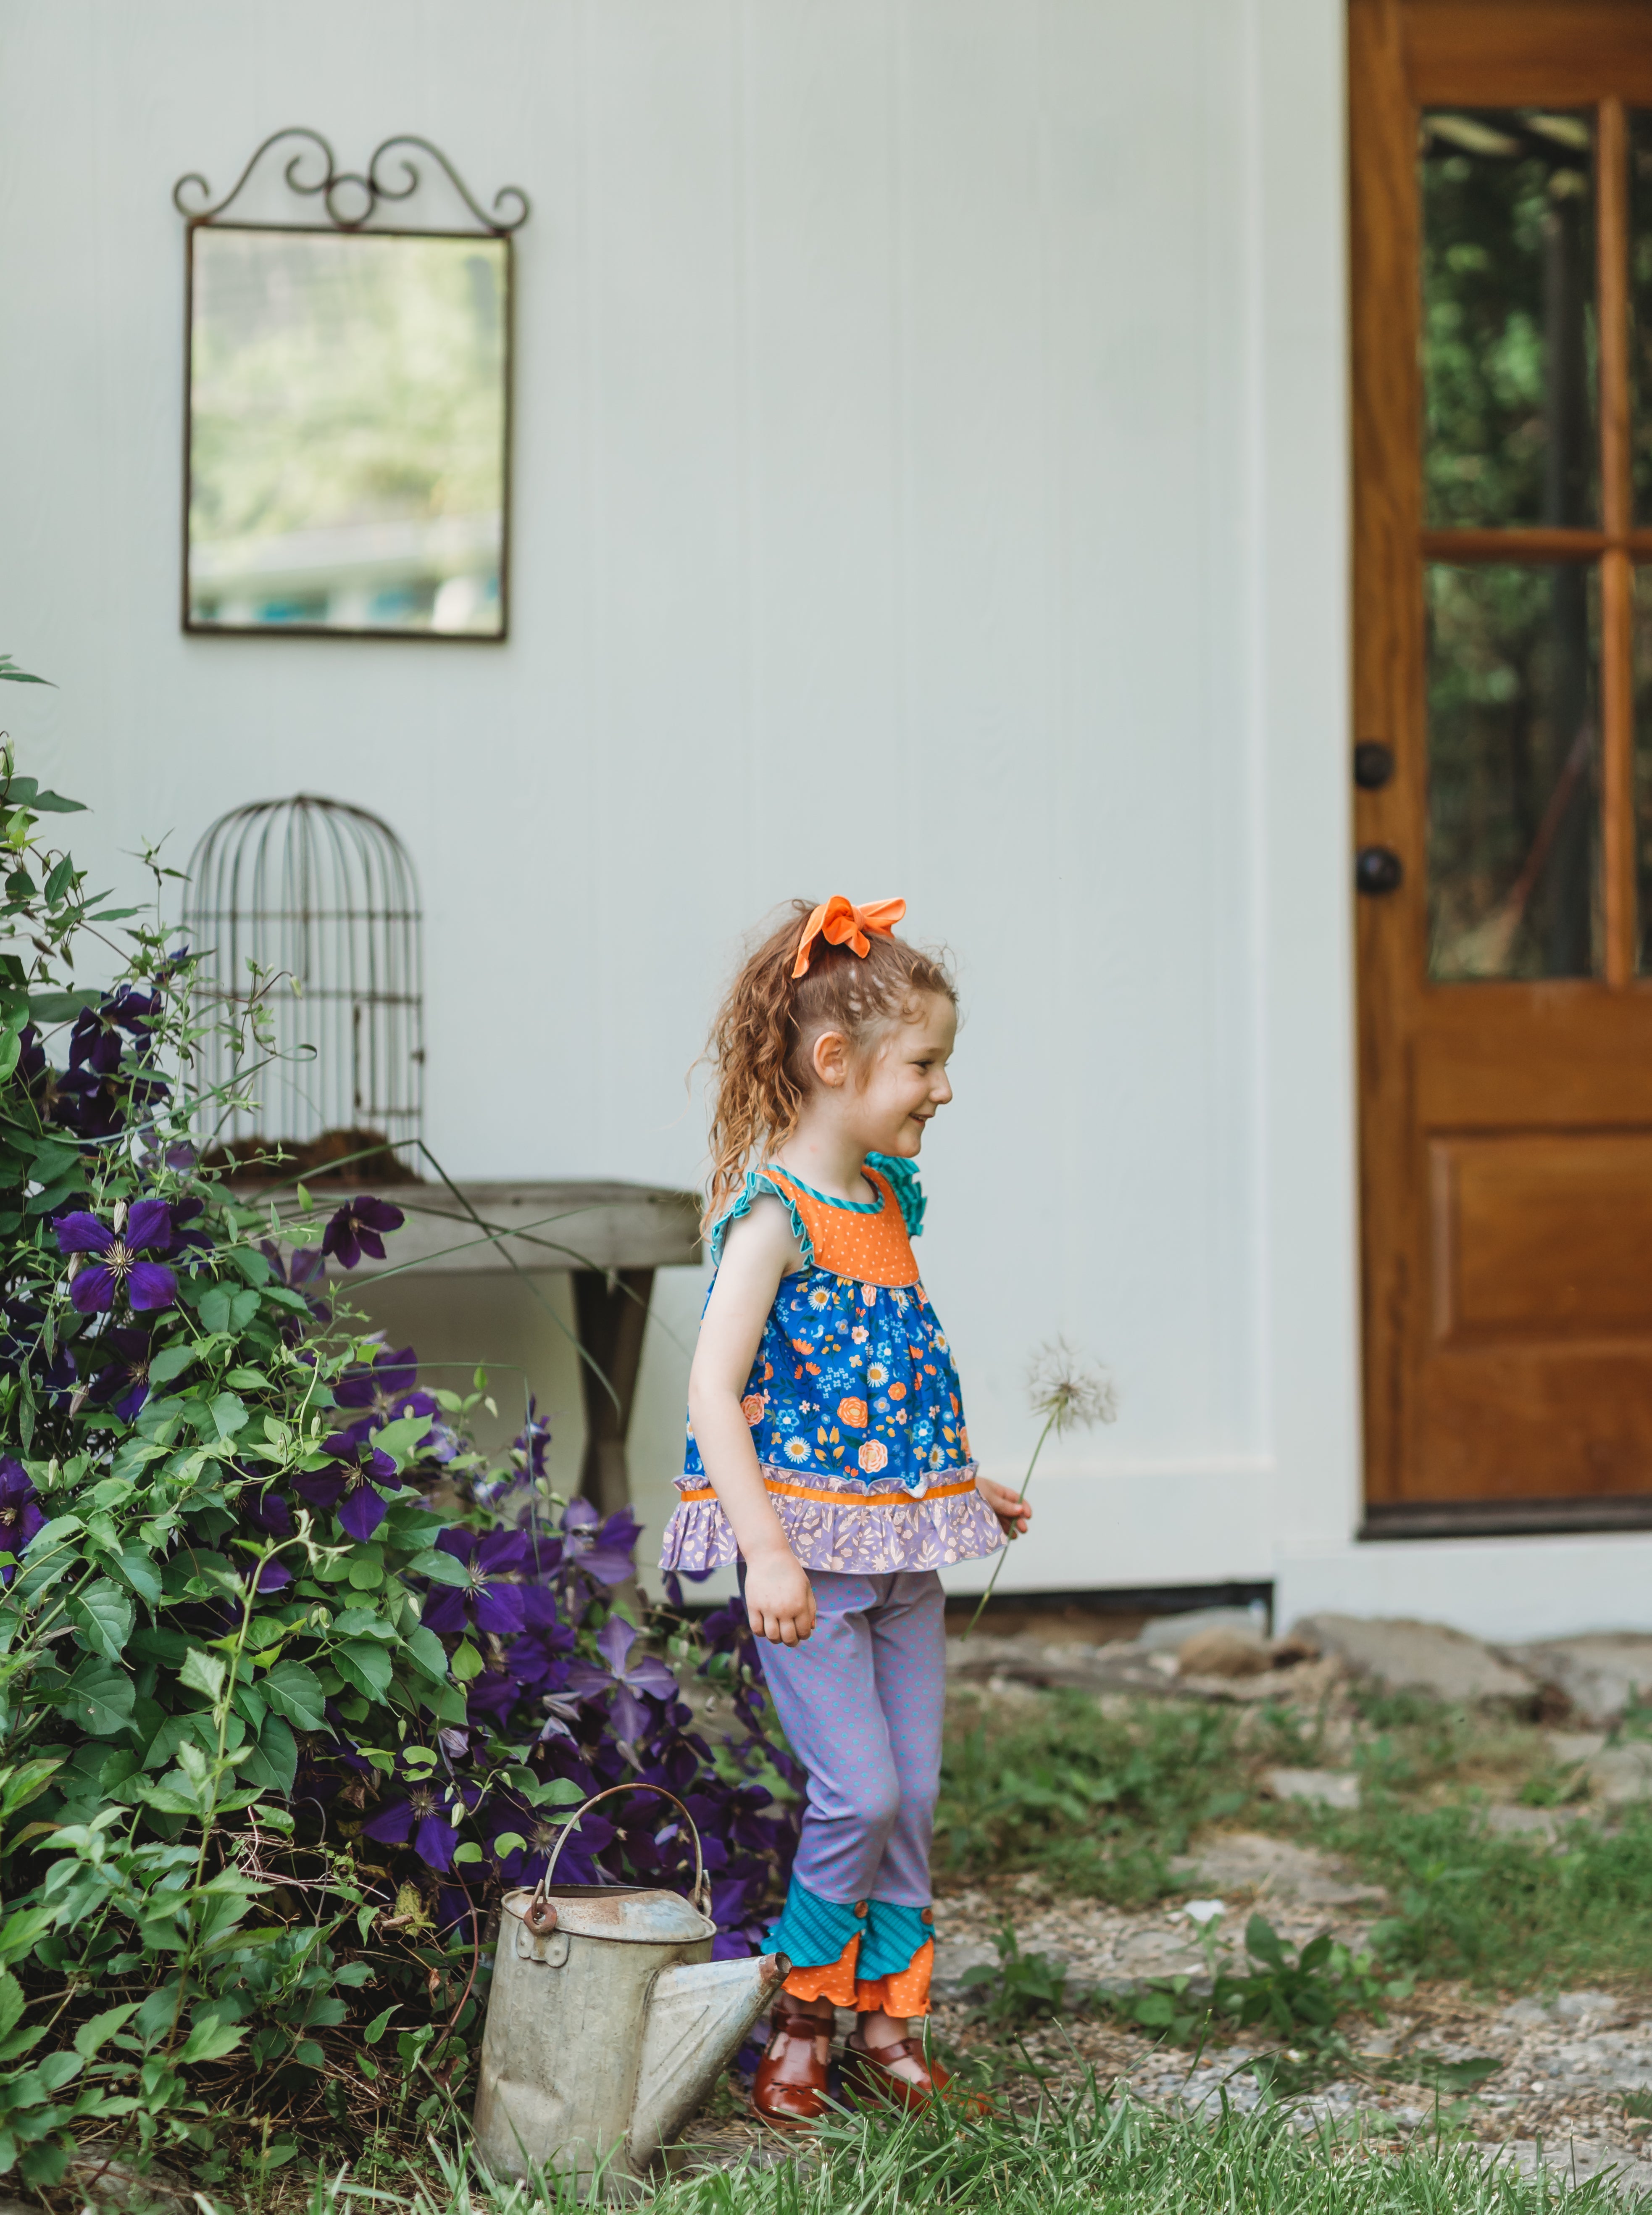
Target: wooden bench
<point>610,1237</point>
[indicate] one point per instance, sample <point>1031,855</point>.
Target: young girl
<point>828,1454</point>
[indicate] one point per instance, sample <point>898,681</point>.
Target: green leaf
<point>12,797</point>
<point>273,1764</point>
<point>26,1782</point>
<point>428,1652</point>
<point>368,1667</point>
<point>202,1672</point>
<point>11,2003</point>
<point>211,2039</point>
<point>398,1439</point>
<point>101,1698</point>
<point>1262,1941</point>
<point>98,2028</point>
<point>171,1361</point>
<point>104,1616</point>
<point>441,1569</point>
<point>379,2024</point>
<point>466,1662</point>
<point>295,1691</point>
<point>223,1310</point>
<point>228,1413</point>
<point>48,1008</point>
<point>469,1851</point>
<point>141,1573</point>
<point>61,878</point>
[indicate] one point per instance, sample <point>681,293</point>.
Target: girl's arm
<point>758,1250</point>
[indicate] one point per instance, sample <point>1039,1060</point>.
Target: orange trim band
<point>847,1499</point>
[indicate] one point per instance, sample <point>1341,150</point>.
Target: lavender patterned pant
<point>861,1701</point>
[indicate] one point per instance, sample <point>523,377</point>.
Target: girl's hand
<point>780,1598</point>
<point>1012,1512</point>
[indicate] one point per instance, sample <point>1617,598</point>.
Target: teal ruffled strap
<point>757,1182</point>
<point>903,1176</point>
<point>894,1937</point>
<point>813,1932</point>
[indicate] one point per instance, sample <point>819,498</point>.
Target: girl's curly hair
<point>765,1031</point>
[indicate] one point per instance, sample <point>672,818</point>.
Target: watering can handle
<point>702,1894</point>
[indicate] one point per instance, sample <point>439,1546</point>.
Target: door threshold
<point>1505,1519</point>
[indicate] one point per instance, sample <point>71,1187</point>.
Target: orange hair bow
<point>841,922</point>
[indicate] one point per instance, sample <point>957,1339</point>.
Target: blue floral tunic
<point>854,1399</point>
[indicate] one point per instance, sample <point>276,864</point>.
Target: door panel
<point>1501,208</point>
<point>1542,1237</point>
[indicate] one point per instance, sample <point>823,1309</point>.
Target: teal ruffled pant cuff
<point>812,1933</point>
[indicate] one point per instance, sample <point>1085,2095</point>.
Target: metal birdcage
<point>314,903</point>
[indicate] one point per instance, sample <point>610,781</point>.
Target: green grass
<point>1086,2156</point>
<point>1500,1911</point>
<point>1097,1804</point>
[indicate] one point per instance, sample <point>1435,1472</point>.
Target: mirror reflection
<point>348,432</point>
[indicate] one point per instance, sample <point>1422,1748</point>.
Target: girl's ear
<point>828,1058</point>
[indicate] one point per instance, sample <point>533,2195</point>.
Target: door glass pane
<point>1640,307</point>
<point>1644,768</point>
<point>1513,772</point>
<point>1509,344</point>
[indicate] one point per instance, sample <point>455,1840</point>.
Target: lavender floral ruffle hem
<point>876,1530</point>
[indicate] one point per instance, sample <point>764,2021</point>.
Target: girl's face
<point>906,1081</point>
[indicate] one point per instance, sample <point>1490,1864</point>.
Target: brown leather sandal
<point>898,2076</point>
<point>789,2089</point>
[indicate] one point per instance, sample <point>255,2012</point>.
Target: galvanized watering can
<point>607,2022</point>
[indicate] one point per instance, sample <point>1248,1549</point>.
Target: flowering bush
<point>293,1683</point>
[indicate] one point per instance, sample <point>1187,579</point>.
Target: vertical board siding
<point>891,381</point>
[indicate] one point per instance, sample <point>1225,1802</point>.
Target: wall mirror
<point>347,428</point>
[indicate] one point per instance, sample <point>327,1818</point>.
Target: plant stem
<point>1049,1425</point>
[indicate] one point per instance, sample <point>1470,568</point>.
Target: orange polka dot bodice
<point>870,1244</point>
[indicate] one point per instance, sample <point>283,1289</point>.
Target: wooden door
<point>1502,237</point>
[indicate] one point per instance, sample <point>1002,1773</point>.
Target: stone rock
<point>1621,1773</point>
<point>112,2178</point>
<point>1247,1860</point>
<point>1320,1788</point>
<point>1570,1748</point>
<point>1404,1656</point>
<point>1599,1674</point>
<point>1572,2160</point>
<point>1536,1822</point>
<point>1169,1632</point>
<point>1573,2007</point>
<point>952,1957</point>
<point>1222,1653</point>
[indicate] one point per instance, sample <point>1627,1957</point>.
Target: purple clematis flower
<point>352,1488</point>
<point>602,1550</point>
<point>423,1816</point>
<point>123,1386</point>
<point>147,1285</point>
<point>20,1514</point>
<point>484,1599</point>
<point>624,1677</point>
<point>388,1388</point>
<point>358,1229</point>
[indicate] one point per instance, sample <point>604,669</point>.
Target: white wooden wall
<point>929,479</point>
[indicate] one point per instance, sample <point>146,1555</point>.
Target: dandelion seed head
<point>1068,1392</point>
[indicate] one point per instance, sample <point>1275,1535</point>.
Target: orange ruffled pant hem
<point>905,1993</point>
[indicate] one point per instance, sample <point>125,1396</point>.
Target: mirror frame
<point>350,200</point>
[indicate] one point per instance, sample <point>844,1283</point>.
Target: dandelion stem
<point>1049,1425</point>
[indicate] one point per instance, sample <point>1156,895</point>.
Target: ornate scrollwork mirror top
<point>369,183</point>
<point>348,390</point>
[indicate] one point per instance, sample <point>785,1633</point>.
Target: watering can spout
<point>698,2014</point>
